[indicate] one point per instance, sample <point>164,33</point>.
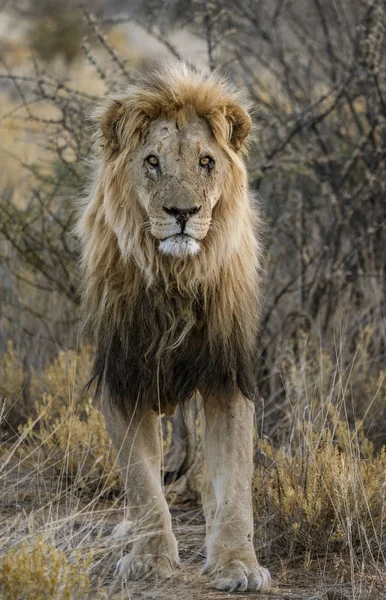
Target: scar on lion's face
<point>180,173</point>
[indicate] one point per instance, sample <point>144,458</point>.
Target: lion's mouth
<point>180,244</point>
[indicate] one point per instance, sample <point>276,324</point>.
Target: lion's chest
<point>164,351</point>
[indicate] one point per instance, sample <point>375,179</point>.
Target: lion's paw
<point>142,566</point>
<point>237,576</point>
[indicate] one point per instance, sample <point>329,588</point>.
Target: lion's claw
<point>239,577</point>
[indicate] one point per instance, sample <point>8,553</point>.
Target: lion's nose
<point>182,215</point>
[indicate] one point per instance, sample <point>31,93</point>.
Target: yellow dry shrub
<point>65,433</point>
<point>323,496</point>
<point>72,444</point>
<point>43,572</point>
<point>64,379</point>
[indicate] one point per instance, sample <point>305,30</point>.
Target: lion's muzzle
<point>180,228</point>
<point>182,215</point>
<point>180,244</point>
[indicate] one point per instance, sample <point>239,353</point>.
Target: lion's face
<point>179,173</point>
<point>173,181</point>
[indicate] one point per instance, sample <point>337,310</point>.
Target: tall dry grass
<point>319,486</point>
<point>319,495</point>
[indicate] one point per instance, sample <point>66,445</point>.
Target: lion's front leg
<point>137,443</point>
<point>228,450</point>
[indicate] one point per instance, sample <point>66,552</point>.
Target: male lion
<point>171,298</point>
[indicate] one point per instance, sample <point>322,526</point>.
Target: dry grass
<point>318,498</point>
<point>325,496</point>
<point>319,488</point>
<point>64,434</point>
<point>320,495</point>
<point>47,574</point>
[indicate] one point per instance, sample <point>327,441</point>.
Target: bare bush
<point>316,73</point>
<point>317,162</point>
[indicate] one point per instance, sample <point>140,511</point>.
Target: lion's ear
<point>240,125</point>
<point>109,122</point>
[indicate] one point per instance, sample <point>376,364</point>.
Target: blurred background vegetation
<point>316,74</point>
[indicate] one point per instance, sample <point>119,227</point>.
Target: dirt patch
<point>29,510</point>
<point>323,581</point>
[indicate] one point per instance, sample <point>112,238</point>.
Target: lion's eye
<point>152,160</point>
<point>207,162</point>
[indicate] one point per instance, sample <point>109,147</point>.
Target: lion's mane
<point>165,326</point>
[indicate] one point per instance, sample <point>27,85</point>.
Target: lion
<point>171,266</point>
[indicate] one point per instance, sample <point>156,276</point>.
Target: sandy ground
<point>289,582</point>
<point>324,578</point>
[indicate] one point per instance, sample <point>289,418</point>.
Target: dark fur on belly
<point>163,352</point>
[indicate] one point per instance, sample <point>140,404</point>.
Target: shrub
<point>324,492</point>
<point>64,432</point>
<point>57,34</point>
<point>42,572</point>
<point>71,444</point>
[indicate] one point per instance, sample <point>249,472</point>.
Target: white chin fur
<point>178,245</point>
